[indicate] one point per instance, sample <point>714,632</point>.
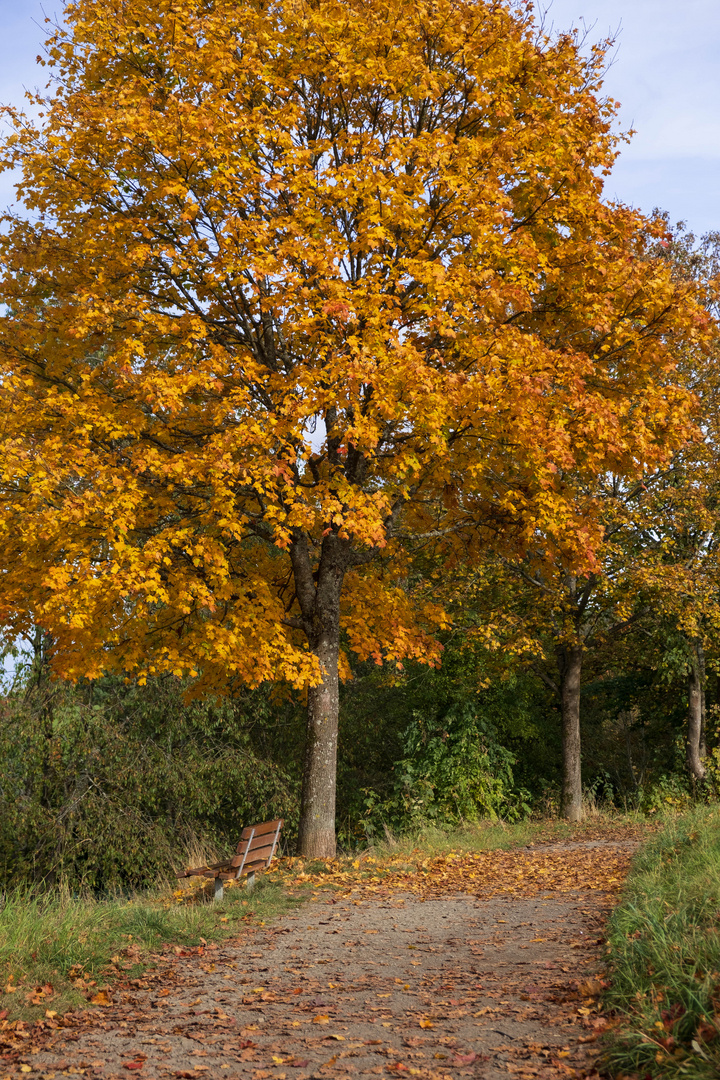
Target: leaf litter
<point>485,964</point>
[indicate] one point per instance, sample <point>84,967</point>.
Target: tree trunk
<point>703,684</point>
<point>570,672</point>
<point>317,813</point>
<point>318,594</point>
<point>695,735</point>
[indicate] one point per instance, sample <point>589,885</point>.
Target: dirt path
<point>437,983</point>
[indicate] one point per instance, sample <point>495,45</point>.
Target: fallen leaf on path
<point>101,998</point>
<point>464,1059</point>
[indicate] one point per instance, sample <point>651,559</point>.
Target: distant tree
<point>659,558</point>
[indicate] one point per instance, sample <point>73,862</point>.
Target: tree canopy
<point>298,281</point>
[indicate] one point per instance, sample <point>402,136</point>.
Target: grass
<point>72,946</point>
<point>664,951</point>
<point>57,951</point>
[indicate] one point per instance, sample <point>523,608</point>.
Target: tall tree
<point>683,579</point>
<point>657,562</point>
<point>290,271</point>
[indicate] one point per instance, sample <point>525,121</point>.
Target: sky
<point>665,73</point>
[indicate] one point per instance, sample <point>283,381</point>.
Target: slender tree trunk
<point>695,738</point>
<point>319,597</point>
<point>570,672</point>
<point>703,684</point>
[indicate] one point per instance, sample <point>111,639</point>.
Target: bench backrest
<point>257,846</point>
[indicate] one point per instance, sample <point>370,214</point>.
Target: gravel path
<point>443,987</point>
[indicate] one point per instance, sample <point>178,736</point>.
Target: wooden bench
<point>254,852</point>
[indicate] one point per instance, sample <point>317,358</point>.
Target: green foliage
<point>109,787</point>
<point>664,950</point>
<point>452,769</point>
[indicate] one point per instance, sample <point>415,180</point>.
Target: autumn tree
<point>683,579</point>
<point>290,277</point>
<point>657,561</point>
<point>540,613</point>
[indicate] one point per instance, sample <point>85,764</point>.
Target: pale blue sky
<point>666,74</point>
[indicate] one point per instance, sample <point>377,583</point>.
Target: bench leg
<point>218,888</point>
<point>250,882</point>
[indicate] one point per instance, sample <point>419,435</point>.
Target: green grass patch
<point>57,951</point>
<point>664,951</point>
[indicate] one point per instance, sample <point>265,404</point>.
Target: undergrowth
<point>664,946</point>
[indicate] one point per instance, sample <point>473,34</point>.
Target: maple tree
<point>547,618</point>
<point>295,282</point>
<point>655,564</point>
<point>682,578</point>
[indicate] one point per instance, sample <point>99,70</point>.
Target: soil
<point>369,983</point>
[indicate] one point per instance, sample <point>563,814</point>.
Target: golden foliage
<point>247,220</point>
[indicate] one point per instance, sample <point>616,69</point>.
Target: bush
<point>452,769</point>
<point>109,787</point>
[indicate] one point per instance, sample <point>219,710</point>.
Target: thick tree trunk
<point>570,673</point>
<point>318,593</point>
<point>695,732</point>
<point>317,814</point>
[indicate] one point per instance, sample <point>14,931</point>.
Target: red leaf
<point>136,1065</point>
<point>464,1059</point>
